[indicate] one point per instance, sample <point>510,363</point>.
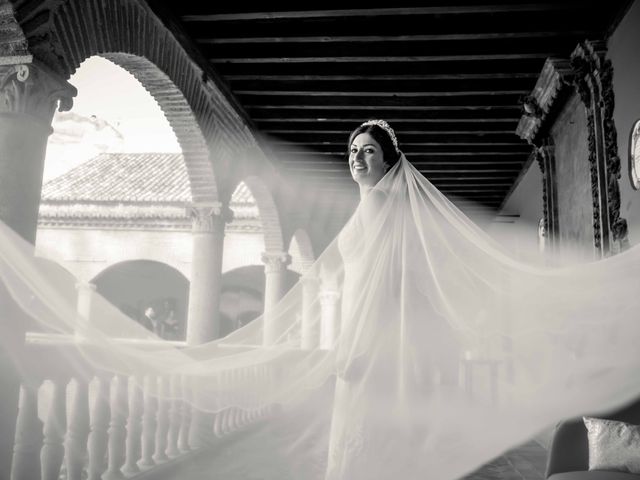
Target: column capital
<point>309,281</point>
<point>275,262</point>
<point>34,90</point>
<point>329,297</point>
<point>209,217</point>
<point>86,286</point>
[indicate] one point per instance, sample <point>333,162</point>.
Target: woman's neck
<point>364,191</point>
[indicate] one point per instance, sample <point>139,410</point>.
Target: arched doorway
<point>152,293</point>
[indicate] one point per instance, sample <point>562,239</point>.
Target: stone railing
<point>75,422</point>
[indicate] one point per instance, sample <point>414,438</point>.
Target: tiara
<point>387,128</point>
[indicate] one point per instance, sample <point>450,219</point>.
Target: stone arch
<point>205,119</point>
<point>174,105</point>
<point>157,257</point>
<point>135,285</point>
<point>269,214</point>
<point>61,277</point>
<point>305,253</point>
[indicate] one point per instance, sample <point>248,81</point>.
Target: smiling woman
<point>373,149</point>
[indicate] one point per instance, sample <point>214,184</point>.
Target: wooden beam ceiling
<point>449,78</point>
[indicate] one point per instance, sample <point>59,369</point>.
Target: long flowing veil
<point>415,345</point>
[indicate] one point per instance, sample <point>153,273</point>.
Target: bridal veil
<point>443,350</point>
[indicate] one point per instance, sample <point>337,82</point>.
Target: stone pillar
<point>275,268</point>
<point>203,323</point>
<point>29,95</point>
<point>310,327</point>
<point>85,292</point>
<point>330,317</point>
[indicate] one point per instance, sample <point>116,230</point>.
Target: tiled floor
<point>526,462</point>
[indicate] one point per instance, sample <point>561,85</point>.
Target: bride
<point>427,299</point>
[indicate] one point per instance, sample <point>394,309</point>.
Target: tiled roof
<point>130,178</point>
<point>129,187</point>
<point>123,177</point>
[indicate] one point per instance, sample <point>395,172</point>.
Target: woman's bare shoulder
<point>373,204</point>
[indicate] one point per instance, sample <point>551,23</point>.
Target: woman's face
<point>366,160</point>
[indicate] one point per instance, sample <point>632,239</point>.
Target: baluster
<point>183,437</point>
<point>228,419</point>
<point>264,373</point>
<point>117,429</point>
<point>162,430</point>
<point>99,423</point>
<point>149,421</point>
<point>198,430</point>
<point>77,431</point>
<point>134,427</point>
<point>175,418</point>
<point>52,452</point>
<point>256,378</point>
<point>242,374</point>
<point>217,424</point>
<point>28,439</point>
<point>234,419</point>
<point>197,434</point>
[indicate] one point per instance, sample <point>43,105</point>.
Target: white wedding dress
<point>427,299</point>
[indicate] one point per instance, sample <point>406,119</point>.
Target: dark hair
<point>380,135</point>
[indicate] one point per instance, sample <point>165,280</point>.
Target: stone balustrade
<point>75,422</point>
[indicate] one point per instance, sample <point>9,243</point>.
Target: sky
<point>111,113</point>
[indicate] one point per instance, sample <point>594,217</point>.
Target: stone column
<point>29,95</point>
<point>275,268</point>
<point>203,323</point>
<point>310,328</point>
<point>330,317</point>
<point>85,292</point>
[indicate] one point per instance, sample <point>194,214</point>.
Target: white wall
<point>525,202</point>
<point>87,252</point>
<point>624,53</point>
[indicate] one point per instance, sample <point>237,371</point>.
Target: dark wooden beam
<point>390,38</point>
<point>384,59</point>
<point>421,108</point>
<point>378,12</point>
<point>399,127</point>
<point>415,153</point>
<point>405,143</point>
<point>395,94</point>
<point>395,77</point>
<point>338,134</point>
<point>391,120</point>
<point>347,67</point>
<point>519,86</point>
<point>321,131</point>
<point>510,170</point>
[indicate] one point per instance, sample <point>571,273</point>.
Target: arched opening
<point>301,251</point>
<point>112,113</point>
<point>241,297</point>
<point>269,214</point>
<point>152,293</point>
<point>244,239</point>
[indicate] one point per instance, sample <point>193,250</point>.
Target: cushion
<point>613,445</point>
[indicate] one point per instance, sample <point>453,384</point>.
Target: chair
<point>569,451</point>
